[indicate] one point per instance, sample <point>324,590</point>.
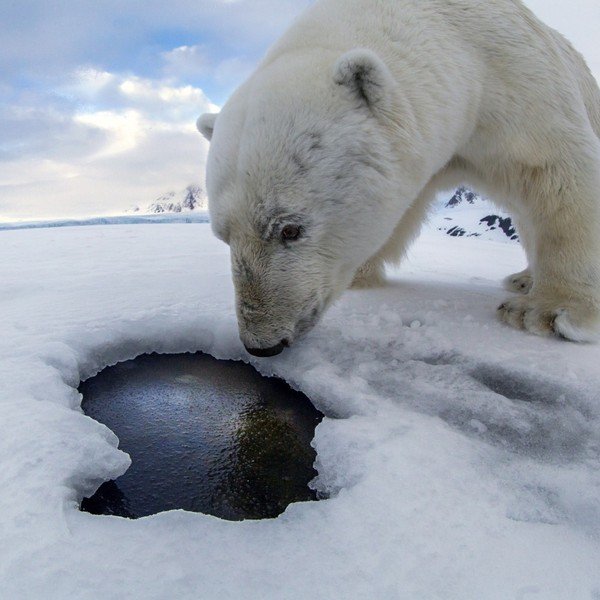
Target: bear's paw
<point>571,318</point>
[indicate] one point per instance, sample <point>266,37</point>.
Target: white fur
<point>365,109</point>
<point>206,124</point>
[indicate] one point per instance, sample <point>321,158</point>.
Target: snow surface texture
<point>462,456</point>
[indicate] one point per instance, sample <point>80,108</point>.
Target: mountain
<point>192,198</point>
<point>462,194</point>
<point>468,215</point>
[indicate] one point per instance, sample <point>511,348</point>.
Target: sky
<point>99,98</point>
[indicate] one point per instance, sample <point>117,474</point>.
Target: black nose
<point>265,352</point>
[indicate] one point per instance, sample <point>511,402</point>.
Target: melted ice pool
<point>204,435</point>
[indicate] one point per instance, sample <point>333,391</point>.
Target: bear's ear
<point>365,75</point>
<point>206,124</point>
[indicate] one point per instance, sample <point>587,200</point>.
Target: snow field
<point>462,457</point>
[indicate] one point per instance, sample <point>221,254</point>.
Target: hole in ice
<point>204,435</point>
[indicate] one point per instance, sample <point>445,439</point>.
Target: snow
<point>462,457</point>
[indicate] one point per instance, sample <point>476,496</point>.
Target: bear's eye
<point>290,233</point>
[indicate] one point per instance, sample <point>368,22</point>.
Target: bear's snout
<point>267,352</point>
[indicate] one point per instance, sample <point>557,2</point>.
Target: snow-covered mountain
<point>468,215</point>
<point>192,198</point>
<point>465,215</point>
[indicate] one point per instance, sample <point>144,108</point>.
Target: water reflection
<point>204,435</point>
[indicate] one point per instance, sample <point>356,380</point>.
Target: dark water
<point>204,435</point>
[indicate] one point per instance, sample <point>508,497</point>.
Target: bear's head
<point>302,185</point>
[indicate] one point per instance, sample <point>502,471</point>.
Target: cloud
<point>186,62</point>
<point>100,98</point>
<point>45,38</point>
<point>114,141</point>
<point>189,62</point>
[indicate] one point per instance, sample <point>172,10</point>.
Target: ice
<point>462,458</point>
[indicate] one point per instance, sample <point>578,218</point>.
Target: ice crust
<point>462,457</point>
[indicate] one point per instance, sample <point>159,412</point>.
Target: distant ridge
<point>198,217</point>
<point>465,215</point>
<point>192,198</point>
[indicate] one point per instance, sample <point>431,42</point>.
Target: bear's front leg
<point>565,292</point>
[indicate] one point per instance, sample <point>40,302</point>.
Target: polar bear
<point>323,164</point>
